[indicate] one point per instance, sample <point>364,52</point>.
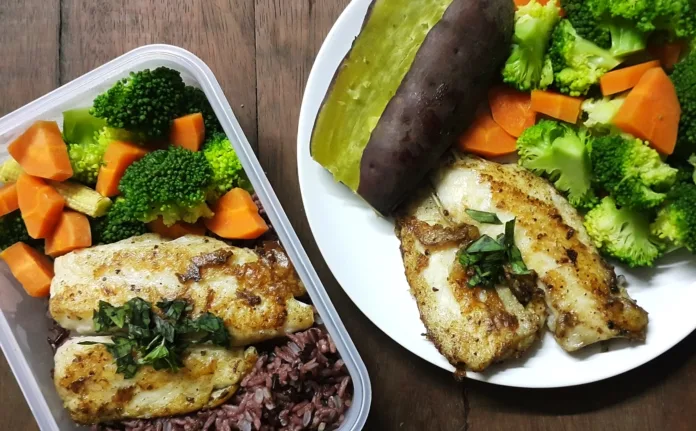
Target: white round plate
<point>363,254</point>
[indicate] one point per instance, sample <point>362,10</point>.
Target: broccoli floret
<point>227,169</point>
<point>623,233</point>
<point>592,21</point>
<point>118,224</point>
<point>577,63</point>
<point>80,129</point>
<point>13,230</point>
<point>684,79</point>
<point>676,220</point>
<point>527,68</point>
<point>631,171</point>
<point>169,183</point>
<point>145,102</point>
<point>559,152</point>
<point>676,17</point>
<point>196,101</point>
<point>600,112</point>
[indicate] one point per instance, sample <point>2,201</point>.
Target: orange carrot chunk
<point>236,217</point>
<point>668,54</point>
<point>624,79</point>
<point>511,109</point>
<point>177,230</point>
<point>118,156</point>
<point>8,199</point>
<point>558,106</point>
<point>652,112</point>
<point>42,153</point>
<point>71,233</point>
<point>188,132</point>
<point>41,206</point>
<point>33,270</point>
<point>487,139</point>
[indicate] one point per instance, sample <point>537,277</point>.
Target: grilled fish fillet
<point>586,304</point>
<point>252,291</point>
<point>93,392</point>
<point>471,327</point>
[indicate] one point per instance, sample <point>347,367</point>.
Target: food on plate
<point>407,89</point>
<point>652,111</point>
<point>29,267</point>
<point>93,391</point>
<point>528,67</point>
<point>559,152</point>
<point>585,302</point>
<point>486,138</point>
<point>473,327</point>
<point>558,106</point>
<point>252,291</point>
<point>41,152</point>
<point>511,109</point>
<point>203,324</point>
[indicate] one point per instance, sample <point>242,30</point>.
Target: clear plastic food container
<point>23,321</point>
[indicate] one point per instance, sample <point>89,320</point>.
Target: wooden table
<point>261,52</point>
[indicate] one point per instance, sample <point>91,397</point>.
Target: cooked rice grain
<point>301,385</point>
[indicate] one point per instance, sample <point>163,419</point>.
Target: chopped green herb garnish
<point>484,217</point>
<point>486,258</point>
<point>148,338</point>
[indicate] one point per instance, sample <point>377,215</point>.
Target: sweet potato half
<point>406,91</point>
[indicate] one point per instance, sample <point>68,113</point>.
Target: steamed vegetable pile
<point>149,155</point>
<point>599,97</point>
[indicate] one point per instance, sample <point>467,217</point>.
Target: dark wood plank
<point>408,393</point>
<point>29,69</point>
<point>220,32</point>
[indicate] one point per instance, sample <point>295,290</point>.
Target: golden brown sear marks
<point>472,327</point>
<point>93,392</point>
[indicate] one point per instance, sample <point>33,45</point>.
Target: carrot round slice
<point>624,79</point>
<point>8,199</point>
<point>42,153</point>
<point>487,139</point>
<point>41,206</point>
<point>33,270</point>
<point>71,233</point>
<point>652,112</point>
<point>511,109</point>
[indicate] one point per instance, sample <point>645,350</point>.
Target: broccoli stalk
<point>676,220</point>
<point>171,184</point>
<point>227,169</point>
<point>526,68</point>
<point>80,129</point>
<point>577,63</point>
<point>559,152</point>
<point>684,79</point>
<point>631,171</point>
<point>601,112</point>
<point>623,234</point>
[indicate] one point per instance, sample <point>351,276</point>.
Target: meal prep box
<point>23,320</point>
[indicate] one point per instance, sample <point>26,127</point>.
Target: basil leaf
<point>516,262</point>
<point>172,309</point>
<point>509,234</point>
<point>484,217</point>
<point>158,352</point>
<point>485,244</point>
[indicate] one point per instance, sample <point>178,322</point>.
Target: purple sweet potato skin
<point>437,100</point>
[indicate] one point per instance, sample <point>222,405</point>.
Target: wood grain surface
<point>261,52</point>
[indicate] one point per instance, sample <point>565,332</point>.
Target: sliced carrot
<point>652,112</point>
<point>71,233</point>
<point>32,269</point>
<point>177,230</point>
<point>511,109</point>
<point>236,217</point>
<point>668,54</point>
<point>8,199</point>
<point>188,132</point>
<point>624,79</point>
<point>41,152</point>
<point>558,106</point>
<point>487,139</point>
<point>118,156</point>
<point>40,204</point>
